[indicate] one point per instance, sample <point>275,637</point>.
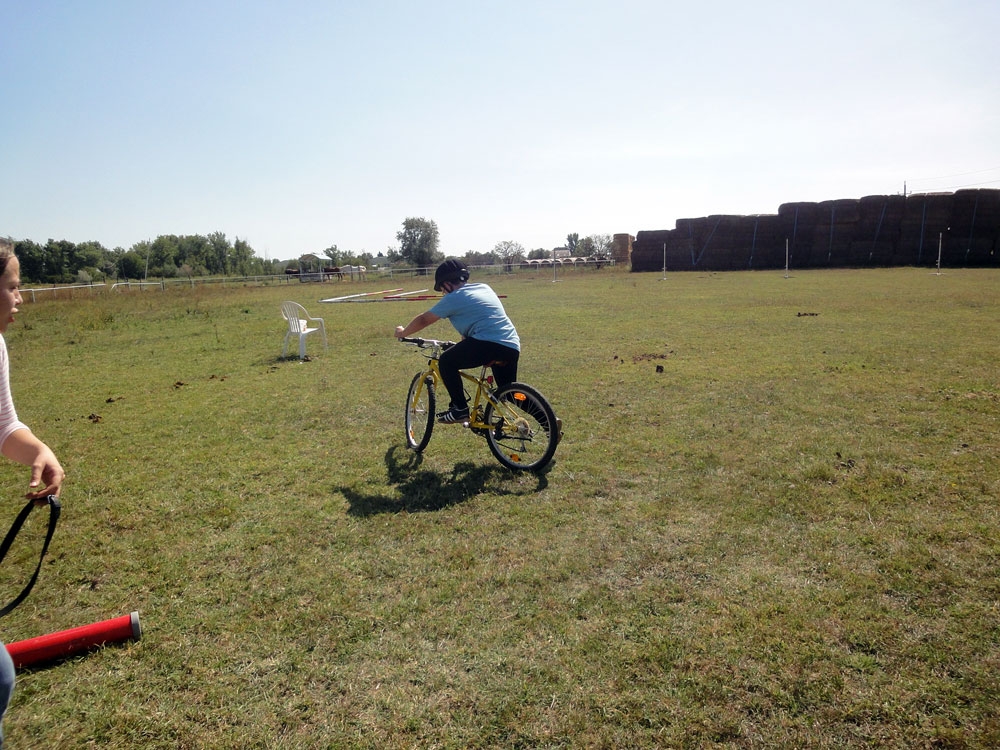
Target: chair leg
<point>302,346</point>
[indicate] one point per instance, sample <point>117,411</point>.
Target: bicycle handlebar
<point>427,343</point>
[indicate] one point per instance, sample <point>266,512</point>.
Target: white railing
<point>373,273</point>
<point>39,290</point>
<point>140,284</point>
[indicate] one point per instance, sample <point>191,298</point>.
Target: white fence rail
<point>33,293</point>
<point>385,272</point>
<point>41,290</point>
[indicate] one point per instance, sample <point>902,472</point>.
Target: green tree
<point>132,264</point>
<point>192,249</point>
<point>241,258</point>
<point>32,259</point>
<point>600,244</point>
<point>109,265</point>
<point>509,253</point>
<point>472,258</point>
<point>539,253</point>
<point>271,266</point>
<point>571,242</point>
<point>334,254</point>
<point>58,257</point>
<point>217,258</point>
<point>418,242</point>
<point>163,254</point>
<point>89,258</point>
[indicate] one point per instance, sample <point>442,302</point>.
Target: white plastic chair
<point>300,323</point>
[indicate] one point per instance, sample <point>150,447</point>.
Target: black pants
<point>470,353</point>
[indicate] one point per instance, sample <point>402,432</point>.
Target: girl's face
<point>10,295</point>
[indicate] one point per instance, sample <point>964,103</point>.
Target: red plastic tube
<point>73,641</point>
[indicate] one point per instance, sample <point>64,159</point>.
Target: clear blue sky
<point>300,124</point>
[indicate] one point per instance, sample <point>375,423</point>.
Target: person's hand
<point>399,332</point>
<point>47,473</point>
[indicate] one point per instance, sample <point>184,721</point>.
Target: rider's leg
<point>506,372</point>
<point>464,355</point>
<point>505,365</point>
<point>470,353</point>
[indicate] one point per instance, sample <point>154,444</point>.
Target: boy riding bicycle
<point>488,335</point>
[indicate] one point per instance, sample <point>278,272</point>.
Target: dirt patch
<point>637,358</point>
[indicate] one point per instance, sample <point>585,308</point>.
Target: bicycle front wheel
<point>523,433</point>
<point>420,405</point>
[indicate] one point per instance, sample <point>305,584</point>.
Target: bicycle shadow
<point>422,490</point>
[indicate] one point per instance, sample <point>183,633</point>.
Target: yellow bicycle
<point>517,422</point>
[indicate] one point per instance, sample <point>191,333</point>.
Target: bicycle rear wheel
<point>420,405</point>
<point>524,432</point>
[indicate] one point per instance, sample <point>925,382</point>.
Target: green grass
<point>788,537</point>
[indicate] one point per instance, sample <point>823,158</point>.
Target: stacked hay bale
<point>799,221</point>
<point>836,227</point>
<point>621,248</point>
<point>729,243</point>
<point>927,215</point>
<point>768,242</point>
<point>648,250</point>
<point>877,230</point>
<point>876,234</point>
<point>975,228</point>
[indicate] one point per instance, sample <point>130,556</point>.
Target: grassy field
<point>772,521</point>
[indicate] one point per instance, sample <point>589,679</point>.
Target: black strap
<point>54,509</point>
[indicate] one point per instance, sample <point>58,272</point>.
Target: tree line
<point>168,256</point>
<point>418,246</point>
<point>171,256</point>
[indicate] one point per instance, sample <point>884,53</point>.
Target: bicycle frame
<point>480,386</point>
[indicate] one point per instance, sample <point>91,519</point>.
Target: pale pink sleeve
<point>8,417</point>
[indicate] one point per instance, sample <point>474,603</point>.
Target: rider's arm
<point>419,323</point>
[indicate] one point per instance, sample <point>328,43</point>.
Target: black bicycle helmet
<point>451,270</point>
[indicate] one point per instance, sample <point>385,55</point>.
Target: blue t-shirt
<point>477,313</point>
